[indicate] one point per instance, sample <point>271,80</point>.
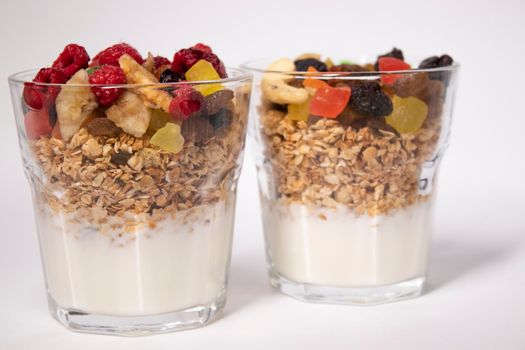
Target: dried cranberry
<point>36,95</point>
<point>186,103</point>
<point>107,75</point>
<point>73,58</point>
<point>185,59</point>
<point>111,55</point>
<point>302,65</point>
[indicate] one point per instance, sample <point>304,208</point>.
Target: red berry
<point>37,124</point>
<point>73,58</point>
<point>202,47</point>
<point>159,61</point>
<point>107,75</point>
<point>111,55</point>
<point>391,64</point>
<point>184,59</point>
<point>36,95</point>
<point>186,103</point>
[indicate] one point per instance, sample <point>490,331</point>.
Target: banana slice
<point>130,114</point>
<point>74,104</point>
<point>136,74</point>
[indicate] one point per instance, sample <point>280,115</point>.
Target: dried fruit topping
<point>198,129</point>
<point>37,124</point>
<point>220,99</point>
<point>73,58</point>
<point>314,82</point>
<point>36,95</point>
<point>107,75</point>
<point>159,61</point>
<point>112,54</point>
<point>185,59</point>
<point>130,114</point>
<point>408,114</point>
<point>329,102</point>
<point>436,62</point>
<point>103,127</point>
<point>391,64</point>
<point>348,68</point>
<point>187,102</point>
<point>299,111</point>
<point>168,138</point>
<point>222,119</point>
<point>395,52</point>
<point>368,99</point>
<point>410,84</point>
<point>159,118</point>
<point>202,47</point>
<point>302,65</point>
<point>169,76</point>
<point>203,70</point>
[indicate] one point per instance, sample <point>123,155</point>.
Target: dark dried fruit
<point>169,76</point>
<point>368,99</point>
<point>376,125</point>
<point>222,119</point>
<point>395,52</point>
<point>302,65</point>
<point>197,129</point>
<point>437,62</point>
<point>410,85</point>
<point>434,96</point>
<point>348,68</point>
<point>348,116</point>
<point>103,127</point>
<point>120,158</point>
<point>220,99</point>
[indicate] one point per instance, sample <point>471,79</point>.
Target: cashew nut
<point>275,88</point>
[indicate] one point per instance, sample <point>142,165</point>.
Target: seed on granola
<point>120,158</point>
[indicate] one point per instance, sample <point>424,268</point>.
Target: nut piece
<point>130,114</point>
<point>275,88</point>
<point>74,104</point>
<point>136,74</point>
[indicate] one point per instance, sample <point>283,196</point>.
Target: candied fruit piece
<point>203,70</point>
<point>395,52</point>
<point>159,118</point>
<point>329,102</point>
<point>168,138</point>
<point>313,82</point>
<point>408,114</point>
<point>299,112</point>
<point>391,64</point>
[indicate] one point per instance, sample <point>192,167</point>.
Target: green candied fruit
<point>408,114</point>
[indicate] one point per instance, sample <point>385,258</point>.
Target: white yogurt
<point>334,247</point>
<point>180,263</point>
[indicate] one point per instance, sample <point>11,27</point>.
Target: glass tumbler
<point>347,200</point>
<point>134,209</point>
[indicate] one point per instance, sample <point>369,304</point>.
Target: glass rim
<point>251,66</point>
<point>243,75</point>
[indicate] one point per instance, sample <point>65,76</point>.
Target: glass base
<point>348,295</point>
<point>132,326</point>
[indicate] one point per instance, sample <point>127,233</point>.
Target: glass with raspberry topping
<point>133,164</point>
<point>347,159</point>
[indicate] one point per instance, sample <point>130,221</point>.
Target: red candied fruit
<point>185,59</point>
<point>159,61</point>
<point>36,95</point>
<point>330,102</point>
<point>73,58</point>
<point>391,64</point>
<point>37,124</point>
<point>186,102</point>
<point>107,75</point>
<point>111,55</point>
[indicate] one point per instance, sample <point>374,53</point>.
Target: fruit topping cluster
<point>352,93</point>
<point>119,90</point>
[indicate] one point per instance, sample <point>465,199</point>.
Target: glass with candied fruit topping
<point>133,163</point>
<point>347,157</point>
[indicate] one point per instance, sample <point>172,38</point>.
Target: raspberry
<point>184,59</point>
<point>35,95</point>
<point>73,58</point>
<point>159,61</point>
<point>202,47</point>
<point>111,55</point>
<point>186,103</point>
<point>107,75</point>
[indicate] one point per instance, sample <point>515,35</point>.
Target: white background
<point>476,294</point>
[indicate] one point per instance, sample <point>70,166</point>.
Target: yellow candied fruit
<point>168,138</point>
<point>299,112</point>
<point>203,70</point>
<point>408,114</point>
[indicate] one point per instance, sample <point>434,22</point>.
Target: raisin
<point>410,85</point>
<point>169,76</point>
<point>437,62</point>
<point>369,100</point>
<point>302,65</point>
<point>221,119</point>
<point>395,52</point>
<point>120,158</point>
<point>348,116</point>
<point>103,127</point>
<point>348,68</point>
<point>220,99</point>
<point>198,129</point>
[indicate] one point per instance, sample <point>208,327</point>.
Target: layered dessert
<point>346,173</point>
<point>134,163</point>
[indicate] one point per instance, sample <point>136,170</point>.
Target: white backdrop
<point>477,273</point>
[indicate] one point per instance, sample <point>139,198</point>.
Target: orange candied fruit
<point>329,102</point>
<point>313,82</point>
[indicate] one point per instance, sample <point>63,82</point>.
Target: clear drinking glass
<point>347,203</point>
<point>134,239</point>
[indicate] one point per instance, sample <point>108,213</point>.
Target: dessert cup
<point>135,239</point>
<point>347,202</point>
